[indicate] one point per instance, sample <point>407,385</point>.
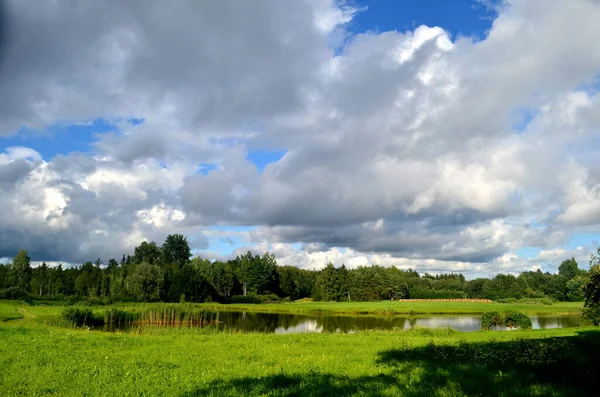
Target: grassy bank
<point>353,308</point>
<point>37,359</point>
<point>40,360</point>
<point>387,307</point>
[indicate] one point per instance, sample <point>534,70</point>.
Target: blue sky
<point>459,17</point>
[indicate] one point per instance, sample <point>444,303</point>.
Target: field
<point>37,359</point>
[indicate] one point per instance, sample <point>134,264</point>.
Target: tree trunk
<point>244,289</point>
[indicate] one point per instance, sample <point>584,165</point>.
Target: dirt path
<point>25,313</point>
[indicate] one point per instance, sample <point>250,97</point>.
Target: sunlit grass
<point>37,359</point>
<point>160,361</point>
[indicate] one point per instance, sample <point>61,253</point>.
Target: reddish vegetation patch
<point>447,300</point>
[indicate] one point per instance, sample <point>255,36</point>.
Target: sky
<point>437,135</point>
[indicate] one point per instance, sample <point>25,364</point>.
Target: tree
<point>576,288</point>
<point>40,279</point>
<point>262,277</point>
<point>176,250</point>
<point>89,280</point>
<point>242,266</point>
<point>328,284</point>
<point>591,307</point>
<point>3,276</point>
<point>148,253</point>
<point>476,287</point>
<point>568,269</point>
<point>145,282</point>
<point>112,266</point>
<point>20,271</point>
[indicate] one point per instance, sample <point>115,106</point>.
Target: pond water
<point>297,323</point>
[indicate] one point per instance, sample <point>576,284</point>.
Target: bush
<point>517,320</point>
<point>592,313</point>
<point>15,293</point>
<point>510,320</point>
<point>491,319</point>
<point>527,301</point>
<point>245,299</point>
<point>268,298</point>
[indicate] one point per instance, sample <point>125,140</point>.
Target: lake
<point>300,323</point>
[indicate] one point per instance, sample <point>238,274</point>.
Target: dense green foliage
<point>509,319</point>
<point>41,360</point>
<point>592,290</point>
<point>166,273</point>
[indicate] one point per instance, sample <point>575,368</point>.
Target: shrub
<point>517,320</point>
<point>592,313</point>
<point>491,319</point>
<point>15,293</point>
<point>510,320</point>
<point>268,298</point>
<point>245,299</point>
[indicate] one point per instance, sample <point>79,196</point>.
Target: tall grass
<point>158,314</point>
<point>80,317</point>
<point>174,314</point>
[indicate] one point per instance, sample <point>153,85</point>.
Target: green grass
<point>387,307</point>
<point>338,308</point>
<point>9,312</point>
<point>380,307</point>
<point>37,359</point>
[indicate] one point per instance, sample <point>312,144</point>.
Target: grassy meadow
<point>38,359</point>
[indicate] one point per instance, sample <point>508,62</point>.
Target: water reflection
<point>294,323</point>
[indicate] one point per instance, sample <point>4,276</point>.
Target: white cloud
<point>401,148</point>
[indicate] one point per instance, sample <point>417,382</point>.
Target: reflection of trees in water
<point>564,321</point>
<point>269,322</point>
<point>257,322</point>
<point>282,323</point>
<point>272,322</point>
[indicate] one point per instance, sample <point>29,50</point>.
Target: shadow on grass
<point>288,385</point>
<point>557,366</point>
<point>561,366</point>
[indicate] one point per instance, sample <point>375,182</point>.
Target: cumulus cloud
<point>413,149</point>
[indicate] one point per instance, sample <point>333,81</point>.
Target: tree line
<point>168,273</point>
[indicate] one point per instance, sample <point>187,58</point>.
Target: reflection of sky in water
<point>293,324</point>
<point>303,327</point>
<point>462,323</point>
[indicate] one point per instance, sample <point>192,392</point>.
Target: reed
<point>163,314</point>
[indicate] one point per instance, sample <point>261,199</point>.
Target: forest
<point>168,273</point>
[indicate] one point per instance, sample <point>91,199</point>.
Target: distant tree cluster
<point>169,273</point>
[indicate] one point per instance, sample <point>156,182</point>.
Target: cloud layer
<point>414,149</point>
